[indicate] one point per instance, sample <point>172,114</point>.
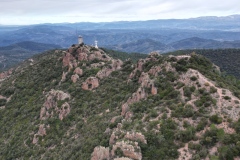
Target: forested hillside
<point>81,103</point>
<point>227,59</point>
<point>18,52</point>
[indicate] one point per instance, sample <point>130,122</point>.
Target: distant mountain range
<point>123,32</point>
<point>15,53</point>
<point>149,45</point>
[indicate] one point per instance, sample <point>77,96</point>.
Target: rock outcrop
<point>55,104</point>
<point>75,57</point>
<point>41,132</point>
<point>100,153</point>
<point>5,74</point>
<point>90,83</point>
<point>74,78</point>
<point>129,150</point>
<point>106,71</point>
<point>51,105</point>
<point>78,71</point>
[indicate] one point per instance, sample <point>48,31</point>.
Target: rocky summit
<point>81,103</point>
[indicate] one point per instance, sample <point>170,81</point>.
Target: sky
<point>22,12</point>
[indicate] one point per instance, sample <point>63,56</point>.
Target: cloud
<point>38,11</point>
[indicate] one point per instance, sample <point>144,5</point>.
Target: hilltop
<point>81,103</point>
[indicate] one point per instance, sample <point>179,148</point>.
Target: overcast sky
<point>57,11</point>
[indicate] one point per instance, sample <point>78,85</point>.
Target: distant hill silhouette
<point>12,54</point>
<point>149,45</point>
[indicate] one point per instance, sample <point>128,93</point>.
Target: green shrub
<point>215,119</point>
<point>3,102</point>
<point>213,89</point>
<point>227,97</point>
<point>193,78</point>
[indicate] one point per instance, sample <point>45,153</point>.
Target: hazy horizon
<point>15,12</point>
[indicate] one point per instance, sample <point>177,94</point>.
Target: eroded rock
<point>74,78</point>
<point>100,153</point>
<point>90,83</point>
<point>50,106</point>
<point>129,150</point>
<point>78,71</point>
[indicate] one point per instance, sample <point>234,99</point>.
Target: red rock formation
<point>116,64</point>
<point>155,70</point>
<point>112,139</point>
<point>128,150</point>
<point>100,153</point>
<point>144,80</point>
<point>136,136</point>
<point>5,74</point>
<point>128,115</point>
<point>74,78</point>
<point>85,86</point>
<point>82,56</point>
<point>153,90</point>
<point>67,59</point>
<point>137,96</point>
<point>64,76</point>
<point>41,132</point>
<point>125,108</point>
<point>96,65</point>
<point>51,102</point>
<point>78,71</point>
<point>140,64</point>
<point>64,111</point>
<point>90,83</point>
<point>105,72</point>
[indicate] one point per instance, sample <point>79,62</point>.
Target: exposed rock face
<point>5,74</point>
<point>74,78</point>
<point>106,71</point>
<point>51,105</point>
<point>140,64</point>
<point>64,111</point>
<point>98,55</point>
<point>137,96</point>
<point>78,53</point>
<point>135,136</point>
<point>116,64</point>
<point>78,71</point>
<point>41,132</point>
<point>155,70</point>
<point>64,76</point>
<point>68,59</point>
<point>100,153</point>
<point>82,56</point>
<point>90,83</point>
<point>96,65</point>
<point>125,141</point>
<point>153,90</point>
<point>129,150</point>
